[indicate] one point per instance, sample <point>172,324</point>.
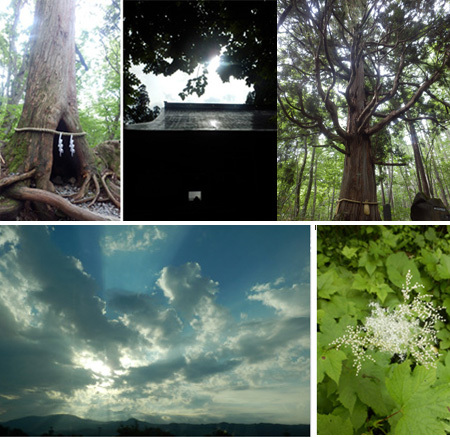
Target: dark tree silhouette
<point>139,110</point>
<point>134,430</point>
<point>188,33</point>
<point>4,430</point>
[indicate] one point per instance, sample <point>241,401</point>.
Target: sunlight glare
<point>90,362</point>
<point>214,64</point>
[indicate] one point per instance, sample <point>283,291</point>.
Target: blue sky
<point>162,323</point>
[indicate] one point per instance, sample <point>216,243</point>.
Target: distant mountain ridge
<point>67,424</point>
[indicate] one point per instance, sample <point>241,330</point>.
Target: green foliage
<point>99,87</point>
<point>139,111</point>
<point>362,264</point>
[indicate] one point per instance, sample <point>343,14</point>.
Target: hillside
<point>72,425</point>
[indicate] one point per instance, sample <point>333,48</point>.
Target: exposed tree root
<point>97,191</point>
<point>108,191</point>
<point>84,188</point>
<point>9,180</point>
<point>9,188</point>
<point>37,195</point>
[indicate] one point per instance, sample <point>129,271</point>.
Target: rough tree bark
<point>358,195</point>
<point>50,101</point>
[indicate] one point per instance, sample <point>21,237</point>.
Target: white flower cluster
<point>406,329</point>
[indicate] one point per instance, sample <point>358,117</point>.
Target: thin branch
<point>334,147</point>
<point>392,164</point>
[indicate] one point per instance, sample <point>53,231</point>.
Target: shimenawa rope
<point>365,203</point>
<point>51,131</point>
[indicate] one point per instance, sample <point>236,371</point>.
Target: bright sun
<point>213,64</point>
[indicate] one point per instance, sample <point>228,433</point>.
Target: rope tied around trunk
<point>366,204</point>
<point>50,131</point>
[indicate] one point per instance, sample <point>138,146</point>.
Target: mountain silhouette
<point>67,424</point>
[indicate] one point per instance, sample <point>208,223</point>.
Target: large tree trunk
<point>50,101</point>
<point>358,195</point>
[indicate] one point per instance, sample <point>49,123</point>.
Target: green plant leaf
<point>421,406</point>
<point>443,268</point>
<point>368,263</point>
<point>360,283</point>
<point>381,290</point>
<point>330,362</point>
<point>430,234</point>
<point>334,425</point>
<point>397,266</point>
<point>326,283</point>
<point>349,252</point>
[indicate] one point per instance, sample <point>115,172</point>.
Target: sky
<point>162,88</point>
<point>194,324</point>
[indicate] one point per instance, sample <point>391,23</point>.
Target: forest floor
<point>106,209</point>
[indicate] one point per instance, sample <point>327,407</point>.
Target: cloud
<point>8,237</point>
<point>162,370</point>
<point>287,301</point>
<point>173,352</point>
<point>262,340</point>
<point>147,315</point>
<point>186,288</point>
<point>48,311</point>
<point>131,239</point>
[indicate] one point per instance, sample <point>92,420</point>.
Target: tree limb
<point>397,164</point>
<point>283,16</point>
<point>332,146</point>
<point>398,112</point>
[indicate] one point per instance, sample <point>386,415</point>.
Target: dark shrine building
<point>201,162</point>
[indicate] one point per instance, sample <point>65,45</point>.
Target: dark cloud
<point>69,294</point>
<point>192,370</point>
<point>261,340</point>
<point>146,312</point>
<point>208,365</point>
<point>157,372</point>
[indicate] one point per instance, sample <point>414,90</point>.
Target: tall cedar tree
<point>50,100</point>
<point>348,69</point>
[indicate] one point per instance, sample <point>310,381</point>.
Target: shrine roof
<point>210,117</point>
